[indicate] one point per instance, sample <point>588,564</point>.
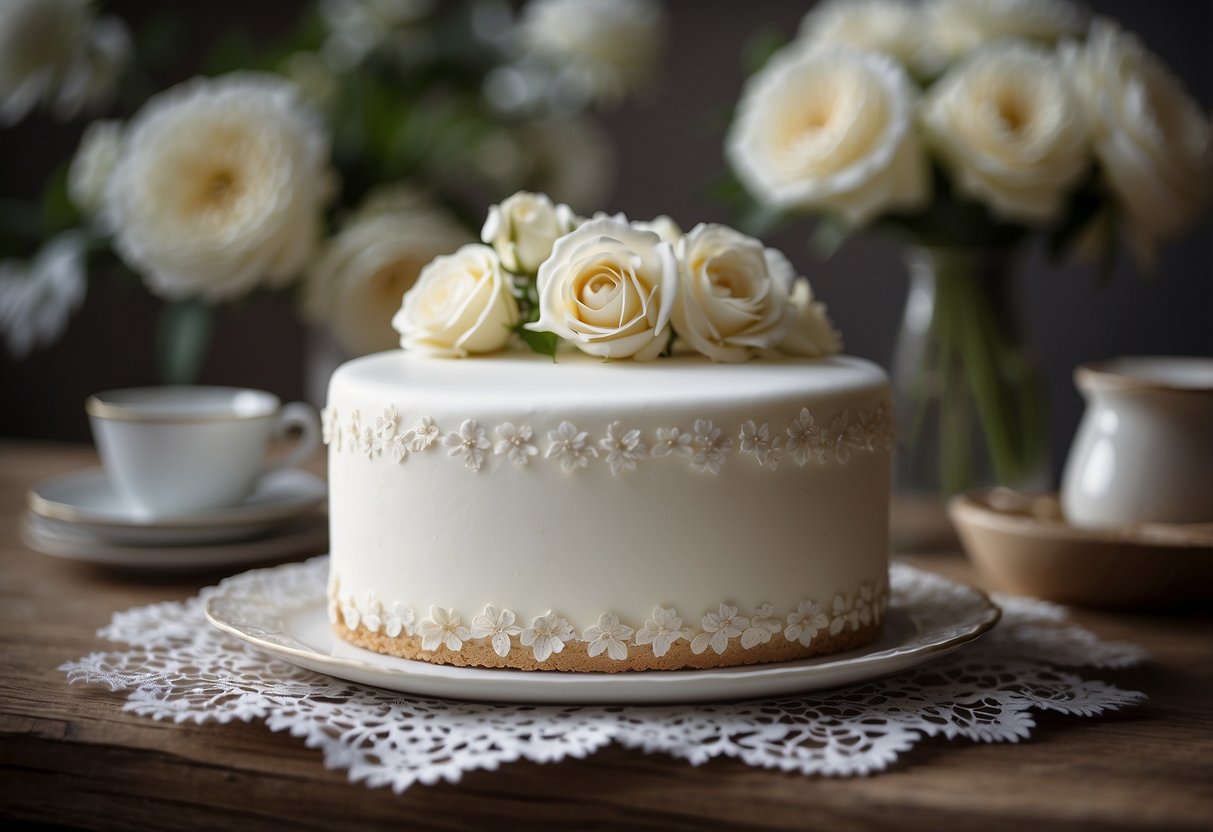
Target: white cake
<point>508,511</point>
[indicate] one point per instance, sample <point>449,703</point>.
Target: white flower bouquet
<point>964,128</point>
<point>612,288</point>
<point>332,164</point>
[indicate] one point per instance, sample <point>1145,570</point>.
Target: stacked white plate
<point>79,516</point>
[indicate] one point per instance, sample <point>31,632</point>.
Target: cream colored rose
<point>959,26</point>
<point>608,288</point>
<point>523,227</point>
<point>90,170</point>
<point>1007,125</point>
<point>894,27</point>
<point>608,47</point>
<point>812,334</point>
<point>221,185</point>
<point>461,304</point>
<point>830,129</point>
<point>733,294</point>
<point>1154,143</point>
<point>357,282</point>
<point>664,227</point>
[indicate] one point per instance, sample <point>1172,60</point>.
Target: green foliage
<point>544,343</point>
<point>183,339</point>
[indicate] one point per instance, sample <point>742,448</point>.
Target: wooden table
<point>69,756</point>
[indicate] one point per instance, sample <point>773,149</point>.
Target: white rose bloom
<point>608,46</point>
<point>461,304</point>
<point>959,26</point>
<point>357,283</point>
<point>36,299</point>
<point>609,287</point>
<point>523,228</point>
<point>220,185</point>
<point>812,333</point>
<point>92,165</point>
<point>1007,124</point>
<point>733,294</point>
<point>894,27</point>
<point>664,227</point>
<point>830,129</point>
<point>1154,143</point>
<point>53,52</point>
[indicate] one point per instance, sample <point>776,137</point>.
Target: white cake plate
<point>277,611</point>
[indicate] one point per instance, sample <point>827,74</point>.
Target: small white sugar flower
<point>369,443</point>
<point>385,425</point>
<point>804,624</point>
<point>424,435</point>
<point>401,620</point>
<point>371,609</point>
<point>673,442</point>
<point>607,635</point>
<point>571,446</point>
<point>400,447</point>
<point>330,427</point>
<point>804,437</point>
<point>845,436</point>
<point>624,447</point>
<point>757,440</point>
<point>445,628</point>
<point>350,615</point>
<point>718,628</point>
<point>353,430</point>
<point>661,631</point>
<point>863,605</point>
<point>498,626</point>
<point>710,445</point>
<point>470,443</point>
<point>515,443</point>
<point>763,625</point>
<point>547,635</point>
<point>843,613</point>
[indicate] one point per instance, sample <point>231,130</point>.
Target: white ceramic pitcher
<point>1144,449</point>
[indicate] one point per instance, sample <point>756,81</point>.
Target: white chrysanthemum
<point>830,129</point>
<point>1154,143</point>
<point>356,285</point>
<point>1008,126</point>
<point>37,298</point>
<point>220,185</point>
<point>92,165</point>
<point>608,47</point>
<point>894,27</point>
<point>959,26</point>
<point>53,53</point>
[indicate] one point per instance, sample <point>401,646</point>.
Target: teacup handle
<point>302,416</point>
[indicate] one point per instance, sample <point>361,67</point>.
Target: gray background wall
<point>669,148</point>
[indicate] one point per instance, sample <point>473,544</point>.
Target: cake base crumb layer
<point>574,658</point>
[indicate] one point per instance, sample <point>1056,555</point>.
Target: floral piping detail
<point>707,446</point>
<point>550,633</point>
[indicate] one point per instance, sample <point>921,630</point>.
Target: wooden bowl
<point>1022,543</point>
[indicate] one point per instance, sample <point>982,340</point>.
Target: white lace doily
<point>183,669</point>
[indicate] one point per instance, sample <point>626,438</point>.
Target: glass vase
<point>969,402</point>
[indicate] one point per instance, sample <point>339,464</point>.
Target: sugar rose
<point>894,27</point>
<point>812,334</point>
<point>1007,124</point>
<point>523,228</point>
<point>461,304</point>
<point>831,129</point>
<point>608,288</point>
<point>733,294</point>
<point>959,26</point>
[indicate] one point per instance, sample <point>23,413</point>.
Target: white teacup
<point>1144,449</point>
<point>179,449</point>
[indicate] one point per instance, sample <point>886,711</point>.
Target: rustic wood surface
<point>70,757</point>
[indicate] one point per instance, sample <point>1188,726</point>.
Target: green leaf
<point>759,47</point>
<point>544,343</point>
<point>828,237</point>
<point>183,338</point>
<point>58,211</point>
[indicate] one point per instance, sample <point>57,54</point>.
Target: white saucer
<point>86,501</point>
<point>302,536</point>
<point>283,610</point>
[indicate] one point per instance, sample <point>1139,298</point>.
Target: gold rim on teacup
<point>103,406</point>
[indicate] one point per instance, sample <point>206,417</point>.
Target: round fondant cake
<point>581,515</point>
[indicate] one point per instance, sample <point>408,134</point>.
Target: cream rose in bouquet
<point>965,128</point>
<point>612,288</point>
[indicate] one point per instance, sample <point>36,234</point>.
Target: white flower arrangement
<point>612,288</point>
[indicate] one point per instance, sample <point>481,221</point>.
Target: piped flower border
<point>551,633</point>
<point>707,446</point>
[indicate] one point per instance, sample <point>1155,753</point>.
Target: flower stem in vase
<point>969,402</point>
